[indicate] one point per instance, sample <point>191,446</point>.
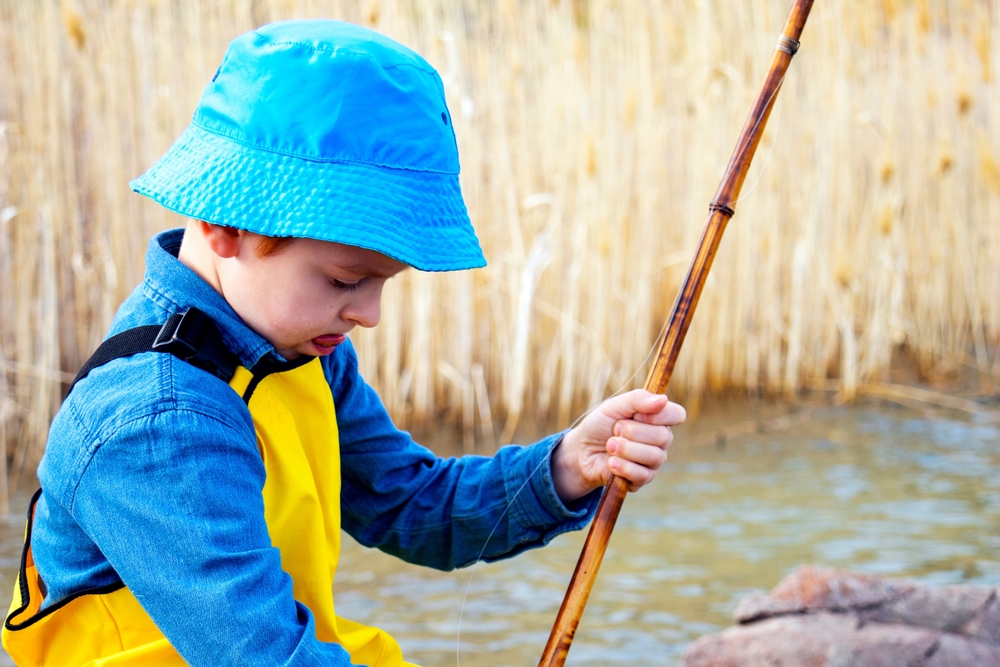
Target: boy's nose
<point>366,310</point>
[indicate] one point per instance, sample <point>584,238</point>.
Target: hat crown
<point>332,92</point>
<point>328,131</point>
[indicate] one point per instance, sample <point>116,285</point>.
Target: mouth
<point>328,342</point>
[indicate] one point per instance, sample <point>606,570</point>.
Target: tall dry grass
<point>592,134</point>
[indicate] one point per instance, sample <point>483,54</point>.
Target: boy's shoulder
<point>151,401</point>
<point>148,384</point>
<point>143,411</point>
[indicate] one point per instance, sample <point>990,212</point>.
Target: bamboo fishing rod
<point>678,321</point>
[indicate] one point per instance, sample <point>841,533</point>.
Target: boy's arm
<point>400,497</point>
<point>172,497</point>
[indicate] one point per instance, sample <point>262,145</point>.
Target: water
<point>876,489</point>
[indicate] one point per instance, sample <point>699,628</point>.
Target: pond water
<point>872,488</point>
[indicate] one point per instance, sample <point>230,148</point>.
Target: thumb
<point>637,401</point>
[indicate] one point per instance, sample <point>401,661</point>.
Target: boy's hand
<point>626,435</point>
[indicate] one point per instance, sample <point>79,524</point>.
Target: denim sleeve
<point>443,513</point>
<point>173,499</point>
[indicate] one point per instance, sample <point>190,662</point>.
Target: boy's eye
<point>347,287</point>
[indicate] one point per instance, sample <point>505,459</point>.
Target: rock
<point>811,588</point>
<point>947,608</point>
<point>957,651</point>
<point>821,617</point>
<point>823,639</point>
<point>878,645</point>
<point>986,626</point>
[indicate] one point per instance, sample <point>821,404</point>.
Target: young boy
<point>198,475</point>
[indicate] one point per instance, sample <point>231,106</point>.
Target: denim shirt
<point>152,477</point>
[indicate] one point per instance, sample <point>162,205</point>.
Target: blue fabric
<point>325,130</point>
<point>152,476</point>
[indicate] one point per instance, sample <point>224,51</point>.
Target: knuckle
<point>625,450</point>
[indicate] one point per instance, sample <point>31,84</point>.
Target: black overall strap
<point>191,336</point>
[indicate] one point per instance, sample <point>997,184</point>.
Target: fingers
<point>638,462</point>
<point>632,402</point>
<point>640,453</point>
<point>635,473</point>
<point>669,414</point>
<point>652,434</point>
<point>646,407</point>
<point>638,448</point>
<point>627,436</point>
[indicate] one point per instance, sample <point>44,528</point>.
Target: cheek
<point>281,301</point>
<point>250,299</point>
<point>295,311</point>
<point>267,302</point>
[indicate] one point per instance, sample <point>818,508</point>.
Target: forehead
<point>361,261</point>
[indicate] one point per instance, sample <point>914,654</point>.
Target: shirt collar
<point>175,287</point>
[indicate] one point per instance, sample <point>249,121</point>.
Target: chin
<point>289,353</point>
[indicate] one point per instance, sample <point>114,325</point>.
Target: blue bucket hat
<point>324,130</point>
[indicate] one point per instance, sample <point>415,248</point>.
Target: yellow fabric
<point>296,425</point>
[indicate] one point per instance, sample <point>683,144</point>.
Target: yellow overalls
<point>302,509</point>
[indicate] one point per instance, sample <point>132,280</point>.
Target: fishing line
<point>649,354</point>
<point>544,461</point>
<point>771,149</point>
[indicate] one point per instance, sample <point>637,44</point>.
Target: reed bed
<point>593,134</point>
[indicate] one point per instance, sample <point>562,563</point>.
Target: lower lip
<point>328,343</point>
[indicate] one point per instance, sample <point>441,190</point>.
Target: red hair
<point>271,245</point>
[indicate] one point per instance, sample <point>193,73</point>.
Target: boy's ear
<point>224,241</point>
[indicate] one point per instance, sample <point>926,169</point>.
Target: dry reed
<point>592,134</point>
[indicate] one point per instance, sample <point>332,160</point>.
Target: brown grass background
<point>593,135</point>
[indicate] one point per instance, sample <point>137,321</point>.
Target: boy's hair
<point>270,245</point>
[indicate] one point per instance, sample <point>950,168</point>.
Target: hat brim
<point>416,217</point>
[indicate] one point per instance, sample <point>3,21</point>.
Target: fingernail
<point>618,428</point>
<point>612,446</point>
<point>613,464</point>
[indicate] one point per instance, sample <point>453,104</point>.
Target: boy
<point>182,520</point>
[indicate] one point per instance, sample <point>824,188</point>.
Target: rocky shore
<point>821,617</point>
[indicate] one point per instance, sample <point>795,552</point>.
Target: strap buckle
<point>193,337</point>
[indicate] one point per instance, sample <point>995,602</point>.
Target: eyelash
<point>347,287</point>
